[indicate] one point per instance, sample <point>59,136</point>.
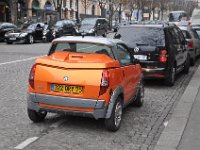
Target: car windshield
<point>134,36</point>
<point>31,27</point>
<point>81,48</point>
<point>88,22</point>
<point>177,16</point>
<point>59,24</point>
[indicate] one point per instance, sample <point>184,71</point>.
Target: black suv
<point>64,27</point>
<point>94,26</point>
<point>160,48</point>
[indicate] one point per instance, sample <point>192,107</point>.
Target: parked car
<point>159,47</point>
<point>94,26</point>
<point>90,77</point>
<point>193,42</point>
<point>28,35</point>
<point>5,27</point>
<point>196,28</point>
<point>65,27</point>
<point>195,17</point>
<point>176,16</point>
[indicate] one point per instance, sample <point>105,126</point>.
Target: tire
<point>139,100</point>
<point>113,123</point>
<point>170,80</point>
<point>192,61</point>
<point>30,39</point>
<point>187,65</point>
<point>44,40</point>
<point>73,33</point>
<point>104,35</point>
<point>8,42</point>
<point>36,116</point>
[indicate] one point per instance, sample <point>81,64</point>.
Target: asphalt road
<point>140,129</point>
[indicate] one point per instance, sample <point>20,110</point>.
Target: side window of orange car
<point>123,55</point>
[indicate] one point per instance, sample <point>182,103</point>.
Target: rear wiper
<point>141,44</point>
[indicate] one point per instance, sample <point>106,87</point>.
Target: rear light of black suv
<point>163,57</point>
<point>190,44</point>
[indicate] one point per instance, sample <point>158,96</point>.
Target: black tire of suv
<point>36,116</point>
<point>187,65</point>
<point>192,61</point>
<point>8,42</point>
<point>110,123</point>
<point>170,80</point>
<point>139,100</point>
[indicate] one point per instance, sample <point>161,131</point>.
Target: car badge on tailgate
<point>136,49</point>
<point>65,78</point>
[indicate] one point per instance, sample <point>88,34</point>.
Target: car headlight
<point>44,32</point>
<point>23,34</point>
<point>91,31</point>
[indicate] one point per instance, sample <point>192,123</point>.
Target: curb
<point>171,135</point>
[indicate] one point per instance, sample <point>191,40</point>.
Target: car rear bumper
<point>72,106</point>
<point>154,72</point>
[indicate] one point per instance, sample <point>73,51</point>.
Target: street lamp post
<point>77,11</point>
<point>120,11</point>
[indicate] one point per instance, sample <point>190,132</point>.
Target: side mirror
<point>117,36</point>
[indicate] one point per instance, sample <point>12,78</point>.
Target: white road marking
<point>26,143</point>
<point>165,123</point>
<point>21,60</point>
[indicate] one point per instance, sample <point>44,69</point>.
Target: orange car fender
<point>116,93</point>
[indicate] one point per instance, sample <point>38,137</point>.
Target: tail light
<point>163,56</point>
<point>190,44</point>
<point>104,82</point>
<point>32,76</point>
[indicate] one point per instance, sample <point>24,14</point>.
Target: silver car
<point>193,42</point>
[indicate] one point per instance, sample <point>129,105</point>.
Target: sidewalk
<point>183,129</point>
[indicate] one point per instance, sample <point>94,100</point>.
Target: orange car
<point>85,76</point>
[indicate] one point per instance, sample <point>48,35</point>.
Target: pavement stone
<point>171,137</point>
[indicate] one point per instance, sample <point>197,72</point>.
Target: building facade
<point>61,9</point>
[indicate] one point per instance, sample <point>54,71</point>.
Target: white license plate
<point>140,57</point>
<point>12,38</point>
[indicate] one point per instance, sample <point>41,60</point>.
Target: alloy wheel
<point>31,40</point>
<point>118,114</point>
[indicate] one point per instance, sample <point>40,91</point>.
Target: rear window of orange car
<point>81,48</point>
